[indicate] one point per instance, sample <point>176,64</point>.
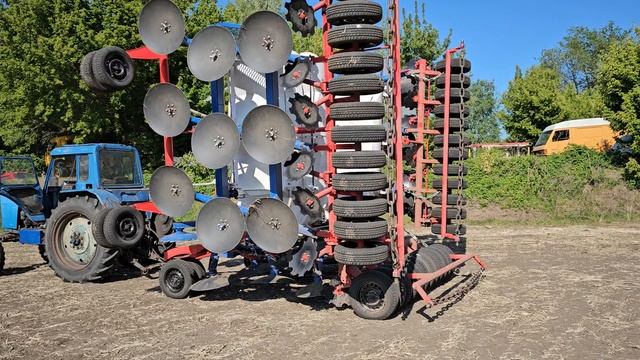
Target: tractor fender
<point>105,198</point>
<point>9,210</point>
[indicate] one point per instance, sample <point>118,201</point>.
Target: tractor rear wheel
<point>74,255</point>
<point>43,253</point>
<point>1,257</point>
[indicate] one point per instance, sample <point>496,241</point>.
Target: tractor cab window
<point>118,168</point>
<point>17,172</point>
<point>544,137</point>
<point>561,135</point>
<point>64,172</point>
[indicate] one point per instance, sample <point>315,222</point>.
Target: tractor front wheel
<point>74,255</point>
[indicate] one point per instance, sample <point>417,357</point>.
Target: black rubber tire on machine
<point>372,254</point>
<point>359,159</point>
<point>456,65</point>
<point>457,81</point>
<point>359,134</point>
<point>455,229</point>
<point>113,67</point>
<point>454,154</point>
<point>357,111</point>
<point>368,229</point>
<point>42,251</point>
<point>356,62</point>
<point>86,73</point>
<point>356,84</point>
<point>373,295</point>
<point>176,278</point>
<point>98,260</point>
<point>124,227</point>
<point>362,35</point>
<point>444,251</point>
<point>359,181</point>
<point>457,95</point>
<point>354,12</point>
<point>97,228</point>
<point>454,124</point>
<point>368,207</point>
<point>2,258</point>
<point>452,213</point>
<point>199,272</point>
<point>452,170</point>
<point>452,183</point>
<point>452,199</point>
<point>454,110</point>
<point>161,224</point>
<point>455,140</point>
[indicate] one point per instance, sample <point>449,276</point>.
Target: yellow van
<point>593,133</point>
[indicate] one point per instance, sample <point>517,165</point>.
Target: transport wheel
<point>359,159</point>
<point>198,271</point>
<point>454,140</point>
<point>455,229</point>
<point>455,110</point>
<point>456,65</point>
<point>361,229</point>
<point>112,67</point>
<point>362,35</point>
<point>372,254</point>
<point>359,181</point>
<point>368,207</point>
<point>1,257</point>
<point>457,81</point>
<point>373,295</point>
<point>452,199</point>
<point>97,228</point>
<point>176,278</point>
<point>356,62</point>
<point>74,254</point>
<point>454,124</point>
<point>359,134</point>
<point>454,154</point>
<point>356,84</point>
<point>453,169</point>
<point>454,183</point>
<point>124,227</point>
<point>43,254</point>
<point>161,224</point>
<point>357,111</point>
<point>86,73</point>
<point>457,95</point>
<point>354,12</point>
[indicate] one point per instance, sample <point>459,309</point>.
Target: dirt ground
<point>550,293</point>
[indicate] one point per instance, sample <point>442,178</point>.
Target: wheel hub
<point>78,242</point>
<point>127,227</point>
<point>117,68</point>
<point>175,280</point>
<point>371,296</point>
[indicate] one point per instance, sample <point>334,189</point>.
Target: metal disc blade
<point>296,72</point>
<point>309,204</point>
<point>212,53</point>
<point>272,225</point>
<point>167,110</point>
<point>161,26</point>
<point>215,141</point>
<point>268,134</point>
<point>171,191</point>
<point>220,225</point>
<point>305,111</point>
<point>300,165</point>
<point>265,41</point>
<point>303,259</point>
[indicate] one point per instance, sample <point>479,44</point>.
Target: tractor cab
<point>20,192</point>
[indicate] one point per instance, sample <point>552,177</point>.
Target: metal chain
<point>459,293</point>
<point>389,102</point>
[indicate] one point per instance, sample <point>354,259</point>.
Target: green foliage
<point>196,172</point>
<point>237,11</point>
<point>420,40</point>
<point>483,122</point>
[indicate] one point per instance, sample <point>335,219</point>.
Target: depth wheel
<point>373,296</point>
<point>176,278</point>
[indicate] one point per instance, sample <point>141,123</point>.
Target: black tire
<point>42,251</point>
<point>161,224</point>
<point>359,134</point>
<point>124,227</point>
<point>432,254</point>
<point>359,181</point>
<point>452,213</point>
<point>356,84</point>
<point>455,110</point>
<point>198,270</point>
<point>86,73</point>
<point>453,183</point>
<point>457,81</point>
<point>452,199</point>
<point>354,12</point>
<point>113,67</point>
<point>453,169</point>
<point>454,154</point>
<point>176,278</point>
<point>71,270</point>
<point>368,207</point>
<point>357,111</point>
<point>359,159</point>
<point>362,35</point>
<point>2,258</point>
<point>356,62</point>
<point>456,96</point>
<point>348,254</point>
<point>456,65</point>
<point>417,263</point>
<point>443,251</point>
<point>375,228</point>
<point>374,295</point>
<point>97,228</point>
<point>454,140</point>
<point>454,124</point>
<point>455,229</point>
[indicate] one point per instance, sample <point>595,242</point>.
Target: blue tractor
<point>84,217</point>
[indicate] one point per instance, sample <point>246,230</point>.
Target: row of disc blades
<point>264,41</point>
<point>268,133</point>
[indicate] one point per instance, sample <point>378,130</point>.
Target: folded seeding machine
<point>310,198</point>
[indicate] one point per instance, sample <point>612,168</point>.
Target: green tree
<point>238,10</point>
<point>483,122</point>
<point>419,39</point>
